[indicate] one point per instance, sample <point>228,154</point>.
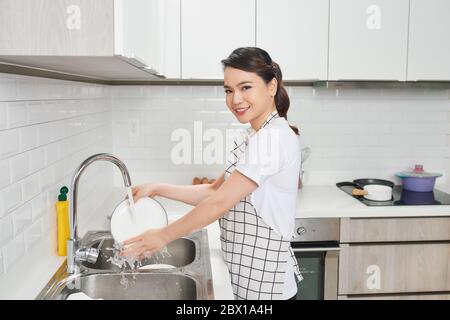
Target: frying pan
<point>373,189</point>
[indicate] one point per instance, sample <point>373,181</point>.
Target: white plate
<point>156,266</point>
<point>149,214</point>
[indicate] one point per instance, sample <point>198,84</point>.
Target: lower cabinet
<point>394,268</point>
<point>395,258</point>
<point>426,296</point>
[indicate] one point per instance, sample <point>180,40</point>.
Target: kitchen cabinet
<point>429,43</point>
<point>368,40</point>
<point>295,33</point>
<point>438,296</point>
<point>361,230</point>
<point>402,258</point>
<point>394,268</point>
<point>211,30</point>
<point>106,39</point>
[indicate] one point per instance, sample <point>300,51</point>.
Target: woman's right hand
<point>144,190</point>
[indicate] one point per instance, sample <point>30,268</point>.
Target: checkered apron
<point>256,255</point>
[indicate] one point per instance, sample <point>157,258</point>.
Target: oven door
<point>319,268</point>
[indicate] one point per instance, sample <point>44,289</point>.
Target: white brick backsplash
<point>21,218</point>
<point>6,230</point>
<point>31,186</point>
<point>32,235</point>
<point>20,166</point>
<point>37,159</point>
<point>1,262</point>
<point>47,127</point>
<point>12,196</point>
<point>13,251</point>
<point>9,143</point>
<point>40,205</point>
<point>5,174</point>
<point>28,137</point>
<point>17,114</point>
<point>3,107</point>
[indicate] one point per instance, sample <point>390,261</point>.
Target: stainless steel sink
<point>190,279</point>
<point>179,253</point>
<point>130,286</point>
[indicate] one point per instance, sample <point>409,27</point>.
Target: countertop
<point>313,202</point>
<point>330,201</point>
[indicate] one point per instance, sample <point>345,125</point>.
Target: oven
<point>316,247</point>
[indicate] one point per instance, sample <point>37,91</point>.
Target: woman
<point>255,198</point>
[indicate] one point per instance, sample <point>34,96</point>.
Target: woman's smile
<point>241,111</point>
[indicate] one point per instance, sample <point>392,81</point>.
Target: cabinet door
<point>429,41</point>
<point>396,268</point>
<point>368,39</point>
<point>425,296</point>
<point>145,30</point>
<point>295,34</point>
<point>56,27</point>
<point>211,30</point>
<point>395,229</point>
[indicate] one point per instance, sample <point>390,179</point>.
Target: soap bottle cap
<point>63,195</point>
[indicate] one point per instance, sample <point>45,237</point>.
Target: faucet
<point>74,251</point>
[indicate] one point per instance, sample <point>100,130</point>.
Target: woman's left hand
<point>145,245</point>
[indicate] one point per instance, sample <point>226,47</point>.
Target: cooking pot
<point>373,189</point>
<point>418,180</point>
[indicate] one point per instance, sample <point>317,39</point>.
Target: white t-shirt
<point>272,159</point>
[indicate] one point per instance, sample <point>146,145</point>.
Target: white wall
<point>353,133</point>
<point>47,127</point>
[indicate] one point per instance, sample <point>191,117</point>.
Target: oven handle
<point>320,249</point>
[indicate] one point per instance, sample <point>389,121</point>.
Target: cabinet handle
<point>319,249</point>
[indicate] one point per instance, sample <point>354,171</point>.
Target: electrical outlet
<point>133,127</point>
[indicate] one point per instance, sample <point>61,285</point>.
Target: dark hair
<point>252,59</point>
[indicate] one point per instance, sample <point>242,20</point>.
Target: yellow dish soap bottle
<point>62,211</point>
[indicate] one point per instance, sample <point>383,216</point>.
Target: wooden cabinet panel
<point>63,27</point>
<point>394,268</point>
<point>395,229</point>
<point>425,296</point>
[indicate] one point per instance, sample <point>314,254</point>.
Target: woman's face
<point>248,97</point>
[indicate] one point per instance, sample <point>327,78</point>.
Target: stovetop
<point>402,197</point>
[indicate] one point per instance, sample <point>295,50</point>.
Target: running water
<point>131,202</point>
<point>134,263</point>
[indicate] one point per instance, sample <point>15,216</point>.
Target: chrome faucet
<point>74,252</point>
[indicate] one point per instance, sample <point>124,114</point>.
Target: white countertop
<point>330,201</point>
<point>313,202</point>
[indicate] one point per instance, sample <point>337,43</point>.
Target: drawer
<point>424,296</point>
<point>394,268</point>
<point>395,229</point>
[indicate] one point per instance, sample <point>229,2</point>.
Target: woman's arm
<point>235,188</point>
<point>191,195</point>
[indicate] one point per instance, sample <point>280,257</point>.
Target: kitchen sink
<point>190,279</point>
<point>129,286</point>
<point>178,253</point>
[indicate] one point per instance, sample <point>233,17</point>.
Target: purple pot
<point>418,180</point>
<point>419,184</point>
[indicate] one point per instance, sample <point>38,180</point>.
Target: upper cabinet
<point>107,39</point>
<point>211,30</point>
<point>429,42</point>
<point>368,39</point>
<point>295,33</point>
